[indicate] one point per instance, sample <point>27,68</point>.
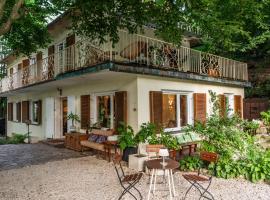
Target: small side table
<point>108,147</point>
<point>154,166</point>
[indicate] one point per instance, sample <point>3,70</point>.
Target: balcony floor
<point>105,70</point>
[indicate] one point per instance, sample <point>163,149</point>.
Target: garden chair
<point>127,182</point>
<point>196,180</point>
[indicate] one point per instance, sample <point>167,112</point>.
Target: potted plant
<point>74,118</point>
<point>126,141</point>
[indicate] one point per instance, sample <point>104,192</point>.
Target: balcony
<point>131,50</point>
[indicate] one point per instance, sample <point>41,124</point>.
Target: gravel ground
<point>91,178</point>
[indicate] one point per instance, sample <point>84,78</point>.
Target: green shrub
<point>190,163</point>
<point>126,136</point>
<point>17,138</point>
<point>239,154</point>
<point>146,131</point>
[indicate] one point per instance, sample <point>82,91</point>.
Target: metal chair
<point>196,179</point>
<point>126,181</point>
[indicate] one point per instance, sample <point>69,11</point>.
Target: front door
<point>64,115</point>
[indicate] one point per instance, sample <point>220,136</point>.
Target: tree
<point>23,24</point>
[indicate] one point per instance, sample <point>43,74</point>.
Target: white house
<point>139,79</point>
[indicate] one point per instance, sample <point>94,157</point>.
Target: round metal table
<point>155,166</point>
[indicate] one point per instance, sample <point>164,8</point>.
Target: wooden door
<point>50,71</point>
<point>39,64</point>
<point>70,52</point>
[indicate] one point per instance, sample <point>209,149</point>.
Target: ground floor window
<point>229,99</point>
<point>105,110</point>
<point>176,110</point>
<point>35,110</point>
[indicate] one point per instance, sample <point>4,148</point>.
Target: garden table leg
<point>155,180</point>
<point>173,188</point>
<point>169,181</point>
<point>151,182</point>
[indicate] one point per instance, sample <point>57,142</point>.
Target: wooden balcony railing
<point>131,49</point>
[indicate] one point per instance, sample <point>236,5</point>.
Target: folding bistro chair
<point>127,182</point>
<point>196,180</point>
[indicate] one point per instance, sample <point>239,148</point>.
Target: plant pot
<point>128,151</point>
<point>72,129</point>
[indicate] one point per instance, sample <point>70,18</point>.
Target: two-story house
<point>137,80</point>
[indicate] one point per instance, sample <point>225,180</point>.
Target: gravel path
<point>91,178</point>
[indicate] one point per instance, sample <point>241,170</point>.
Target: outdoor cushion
<point>101,139</point>
<point>102,132</point>
<point>93,137</point>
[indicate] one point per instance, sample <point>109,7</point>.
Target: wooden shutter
<point>222,104</point>
<point>39,56</point>
<point>10,111</point>
<point>51,50</point>
<point>199,107</point>
<point>156,108</point>
<point>120,108</point>
<point>85,111</point>
<point>25,111</point>
<point>70,40</point>
<point>25,63</point>
<point>39,111</point>
<point>19,111</point>
<point>238,105</point>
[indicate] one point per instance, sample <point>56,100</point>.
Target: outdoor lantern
<point>163,152</point>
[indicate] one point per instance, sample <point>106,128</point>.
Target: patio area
<point>88,177</point>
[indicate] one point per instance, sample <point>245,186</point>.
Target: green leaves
<point>126,136</point>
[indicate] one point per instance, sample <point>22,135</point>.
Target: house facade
<point>140,79</point>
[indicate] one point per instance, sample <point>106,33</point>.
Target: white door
<point>49,117</point>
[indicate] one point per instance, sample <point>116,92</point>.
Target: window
<point>105,111</point>
<point>229,99</point>
<point>175,110</point>
<point>36,112</point>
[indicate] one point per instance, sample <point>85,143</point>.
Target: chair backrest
<point>153,148</point>
<point>118,167</point>
<point>209,156</point>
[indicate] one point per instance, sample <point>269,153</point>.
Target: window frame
<point>31,111</point>
<point>95,110</point>
<point>189,105</point>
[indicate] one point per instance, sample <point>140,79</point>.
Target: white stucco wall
<point>147,84</point>
<point>137,87</point>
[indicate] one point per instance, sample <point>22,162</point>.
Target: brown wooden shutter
<point>39,56</point>
<point>222,104</point>
<point>39,111</point>
<point>19,111</point>
<point>85,111</point>
<point>156,108</point>
<point>70,40</point>
<point>199,107</point>
<point>25,111</point>
<point>120,108</point>
<point>10,111</point>
<point>238,105</point>
<point>51,50</point>
<point>25,63</point>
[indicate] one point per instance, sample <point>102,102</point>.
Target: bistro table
<point>155,166</point>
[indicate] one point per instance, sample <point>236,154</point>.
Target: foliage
<point>28,32</point>
<point>167,139</point>
<point>73,117</point>
<point>266,118</point>
<point>126,136</point>
<point>14,139</point>
<point>239,155</point>
<point>146,131</point>
<point>190,163</point>
<point>250,126</point>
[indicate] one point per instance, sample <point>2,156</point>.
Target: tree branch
<point>14,15</point>
<point>2,5</point>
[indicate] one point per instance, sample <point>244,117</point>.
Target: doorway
<point>64,115</point>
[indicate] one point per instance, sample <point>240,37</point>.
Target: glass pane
<point>104,111</point>
<point>169,111</point>
<point>35,111</point>
<point>183,110</point>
